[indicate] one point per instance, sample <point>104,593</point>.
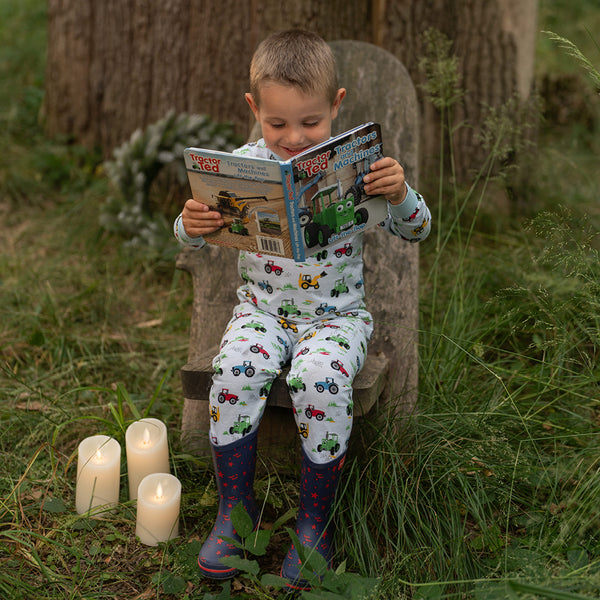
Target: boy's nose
<point>295,136</point>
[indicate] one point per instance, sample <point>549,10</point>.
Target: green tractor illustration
<point>245,276</point>
<point>335,216</point>
<point>295,384</point>
<point>343,342</point>
<point>288,307</point>
<point>330,443</point>
<point>265,389</point>
<point>340,287</point>
<point>242,425</point>
<point>237,226</point>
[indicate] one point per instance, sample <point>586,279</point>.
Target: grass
<point>490,492</point>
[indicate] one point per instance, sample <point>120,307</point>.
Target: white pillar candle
<point>158,502</point>
<point>98,474</point>
<point>147,451</point>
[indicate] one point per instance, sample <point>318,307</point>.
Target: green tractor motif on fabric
<point>330,443</point>
<point>242,425</point>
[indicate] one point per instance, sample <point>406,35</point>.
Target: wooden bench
<point>378,89</point>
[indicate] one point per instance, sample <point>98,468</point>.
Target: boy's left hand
<point>386,178</point>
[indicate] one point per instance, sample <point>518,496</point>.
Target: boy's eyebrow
<point>303,117</point>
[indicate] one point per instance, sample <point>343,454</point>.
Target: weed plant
<point>489,491</point>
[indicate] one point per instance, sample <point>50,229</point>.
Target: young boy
<point>294,95</point>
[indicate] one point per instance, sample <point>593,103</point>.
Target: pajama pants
<point>324,355</point>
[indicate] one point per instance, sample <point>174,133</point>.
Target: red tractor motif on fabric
<point>271,267</point>
<point>346,250</point>
<point>256,348</point>
<point>339,366</point>
<point>311,412</point>
<point>225,396</point>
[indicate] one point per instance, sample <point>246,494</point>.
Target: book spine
<point>291,205</point>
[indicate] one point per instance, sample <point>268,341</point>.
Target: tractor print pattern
<point>311,314</point>
<point>329,283</point>
<point>323,363</point>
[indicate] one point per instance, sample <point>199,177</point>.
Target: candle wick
<point>159,492</point>
<point>146,438</point>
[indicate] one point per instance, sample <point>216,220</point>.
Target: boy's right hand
<point>198,219</point>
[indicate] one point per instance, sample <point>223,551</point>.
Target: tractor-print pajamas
<point>311,315</point>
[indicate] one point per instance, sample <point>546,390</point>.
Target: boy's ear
<point>250,100</point>
<point>341,93</point>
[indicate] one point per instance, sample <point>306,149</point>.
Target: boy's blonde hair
<point>294,57</point>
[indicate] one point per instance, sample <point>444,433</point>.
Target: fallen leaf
<point>151,323</point>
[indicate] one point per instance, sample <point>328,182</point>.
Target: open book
<point>301,207</point>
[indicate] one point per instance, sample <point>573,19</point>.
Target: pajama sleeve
<point>183,238</point>
<point>410,220</point>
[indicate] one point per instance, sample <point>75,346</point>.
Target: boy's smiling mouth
<point>295,151</point>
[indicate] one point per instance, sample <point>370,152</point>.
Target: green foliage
<point>137,163</point>
<point>326,584</point>
<point>440,69</point>
<point>573,51</point>
<point>489,491</point>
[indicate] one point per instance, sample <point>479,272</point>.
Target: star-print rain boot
<point>318,485</point>
<point>234,470</point>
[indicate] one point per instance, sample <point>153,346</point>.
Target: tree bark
<point>118,65</point>
<point>494,42</point>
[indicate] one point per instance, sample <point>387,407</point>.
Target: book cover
<point>297,208</point>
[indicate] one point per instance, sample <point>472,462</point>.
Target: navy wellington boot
<point>318,485</point>
<point>235,465</point>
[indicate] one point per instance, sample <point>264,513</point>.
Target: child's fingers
<point>198,219</point>
<point>386,176</point>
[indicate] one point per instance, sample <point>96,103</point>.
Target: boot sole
<point>217,573</point>
<point>299,585</point>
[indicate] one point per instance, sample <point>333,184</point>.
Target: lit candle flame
<point>146,439</point>
<point>159,491</point>
<point>98,455</point>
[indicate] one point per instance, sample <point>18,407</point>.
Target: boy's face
<point>291,120</point>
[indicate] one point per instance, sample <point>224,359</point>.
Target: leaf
<point>224,594</point>
<point>87,524</point>
<point>431,591</point>
<point>241,520</point>
<point>270,580</point>
<point>316,562</point>
<point>341,568</point>
<point>173,584</point>
<point>243,564</point>
<point>284,518</point>
<point>545,592</point>
<point>256,543</point>
<point>54,505</point>
<point>322,595</point>
<point>578,558</point>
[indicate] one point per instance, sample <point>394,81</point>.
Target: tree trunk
<point>494,42</point>
<point>117,65</point>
